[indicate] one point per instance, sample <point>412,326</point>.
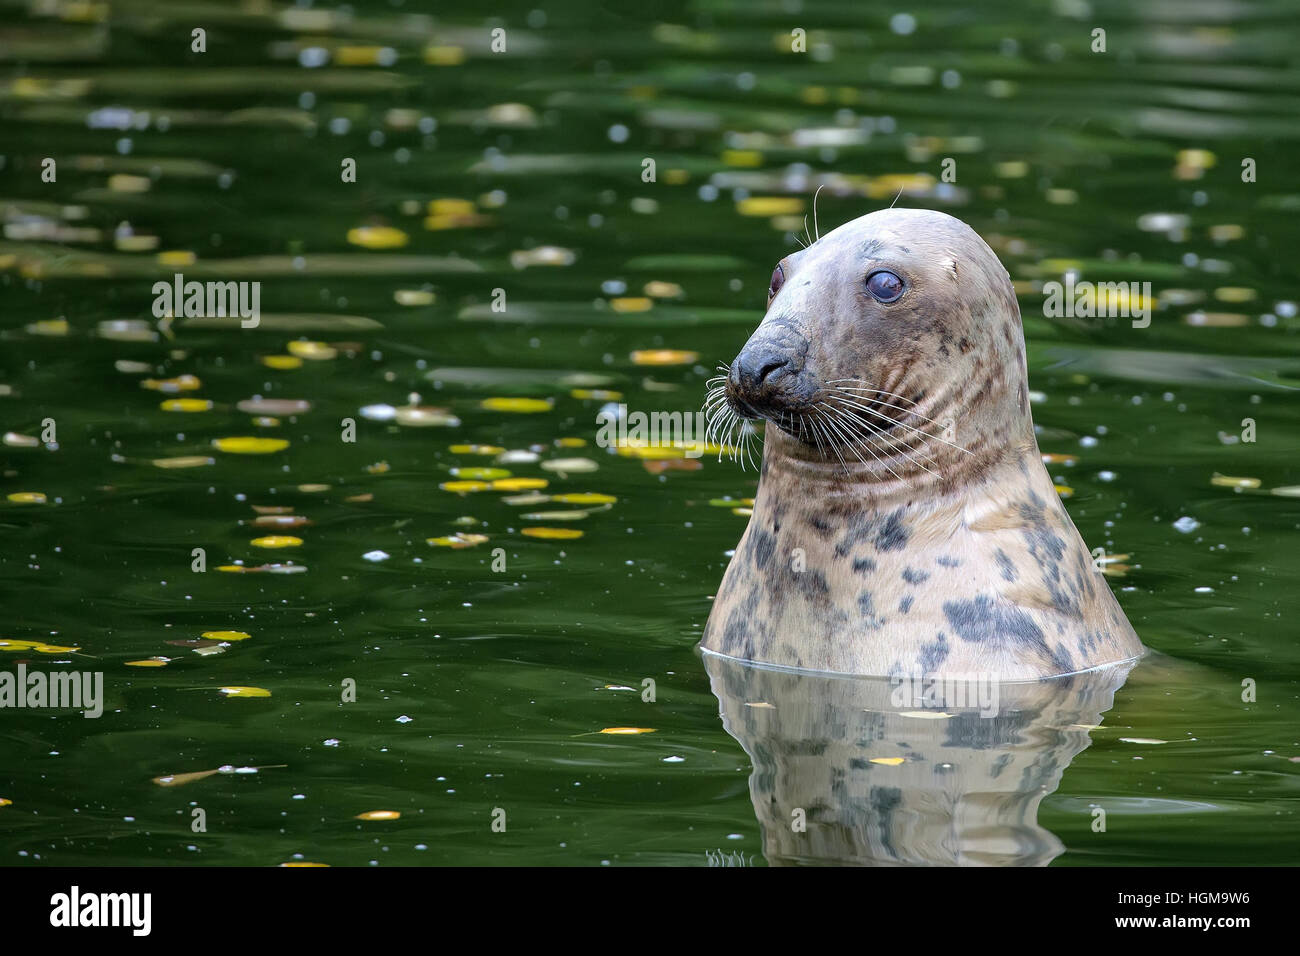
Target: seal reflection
<point>965,792</point>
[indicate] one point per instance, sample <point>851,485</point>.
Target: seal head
<point>904,521</point>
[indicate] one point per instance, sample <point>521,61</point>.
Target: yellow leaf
<point>226,635</point>
<point>53,649</point>
<point>150,662</point>
<point>451,207</point>
<point>481,474</point>
<point>250,445</point>
<point>181,383</point>
<point>585,498</point>
<point>476,449</point>
<point>177,257</point>
<point>632,304</point>
<point>185,405</point>
<point>663,357</point>
<point>26,497</point>
<point>444,55</point>
<point>458,540</point>
<point>377,237</point>
<point>552,533</point>
<point>575,442</point>
<point>764,206</point>
<point>524,405</point>
<point>238,691</point>
<point>302,863</point>
<point>281,362</point>
<point>316,351</point>
<point>276,541</point>
<point>887,761</point>
<point>183,461</point>
<point>628,730</point>
<point>379,815</point>
<point>5,803</point>
<point>519,484</point>
<point>461,487</point>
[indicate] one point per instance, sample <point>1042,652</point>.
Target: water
<point>479,690</point>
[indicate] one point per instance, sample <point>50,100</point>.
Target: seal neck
<point>889,479</point>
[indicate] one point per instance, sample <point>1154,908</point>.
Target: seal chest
<point>904,521</point>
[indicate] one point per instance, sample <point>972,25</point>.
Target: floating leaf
<point>627,730</point>
<point>1142,740</point>
<point>150,662</point>
<point>313,351</point>
<point>276,541</point>
<point>887,761</point>
<point>476,449</point>
<point>519,484</point>
<point>522,405</point>
<point>282,363</point>
<point>1228,481</point>
<point>250,445</point>
<point>463,487</point>
<point>180,779</point>
<point>765,206</point>
<point>377,237</point>
<point>181,383</point>
<point>281,521</point>
<point>573,442</point>
<point>5,803</point>
<point>657,466</point>
<point>584,498</point>
<point>379,815</point>
<point>379,468</point>
<point>185,405</point>
<point>555,534</point>
<point>459,540</point>
<point>556,515</point>
<point>301,863</point>
<point>632,304</point>
<point>274,406</point>
<point>413,297</point>
<point>423,416</point>
<point>239,691</point>
<point>26,497</point>
<point>1286,491</point>
<point>570,465</point>
<point>532,498</point>
<point>226,635</point>
<point>183,461</point>
<point>663,357</point>
<point>481,474</point>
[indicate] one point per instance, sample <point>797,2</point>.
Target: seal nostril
<point>771,367</point>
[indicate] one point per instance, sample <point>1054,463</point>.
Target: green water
<point>478,689</point>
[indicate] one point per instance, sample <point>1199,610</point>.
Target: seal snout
<point>763,379</point>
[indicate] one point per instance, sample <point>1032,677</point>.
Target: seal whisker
<point>854,443</point>
<point>903,424</point>
<point>919,431</point>
<point>901,449</point>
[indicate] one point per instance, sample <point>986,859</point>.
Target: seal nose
<point>758,367</point>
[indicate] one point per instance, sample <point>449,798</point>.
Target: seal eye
<point>773,287</point>
<point>884,285</point>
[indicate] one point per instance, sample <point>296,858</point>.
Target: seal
<point>904,521</point>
